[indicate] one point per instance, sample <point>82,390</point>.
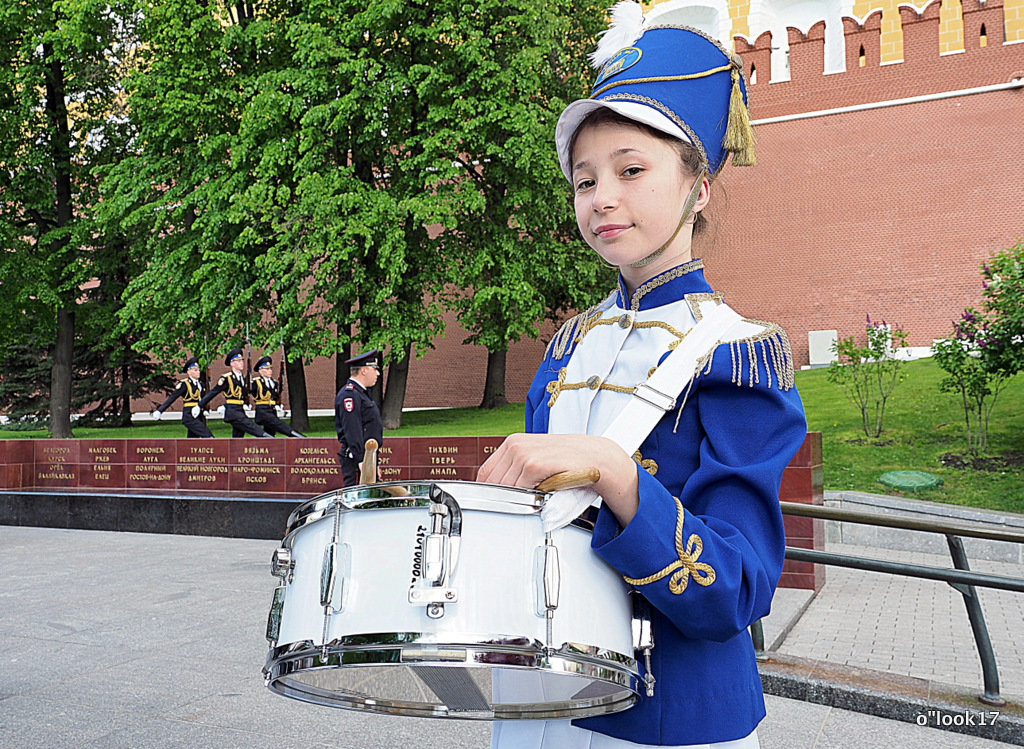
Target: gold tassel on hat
<point>739,135</point>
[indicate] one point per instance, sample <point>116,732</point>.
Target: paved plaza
<point>148,640</point>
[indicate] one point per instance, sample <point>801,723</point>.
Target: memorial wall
<point>298,468</point>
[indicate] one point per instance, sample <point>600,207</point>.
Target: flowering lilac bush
<point>987,346</point>
<point>868,374</point>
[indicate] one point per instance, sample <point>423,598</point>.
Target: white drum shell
<point>496,581</point>
<point>494,578</point>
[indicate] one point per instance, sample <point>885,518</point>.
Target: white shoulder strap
<point>652,399</point>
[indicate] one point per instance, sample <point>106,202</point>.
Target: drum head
<point>496,680</point>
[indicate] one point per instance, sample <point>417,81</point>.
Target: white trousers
<point>561,734</point>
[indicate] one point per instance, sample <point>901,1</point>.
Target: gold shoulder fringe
<point>571,333</point>
<point>772,347</point>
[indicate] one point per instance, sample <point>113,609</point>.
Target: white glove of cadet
<point>220,409</point>
<point>196,410</point>
<point>249,410</point>
<point>280,410</point>
<point>156,415</point>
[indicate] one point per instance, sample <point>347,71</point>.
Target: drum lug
<point>337,557</point>
<point>643,632</point>
<point>547,575</point>
<point>440,551</point>
<point>274,618</point>
<point>282,565</point>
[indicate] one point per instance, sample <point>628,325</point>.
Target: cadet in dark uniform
<point>356,416</point>
<point>232,384</point>
<point>266,394</point>
<point>190,390</point>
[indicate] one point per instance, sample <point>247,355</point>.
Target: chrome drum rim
<point>608,681</point>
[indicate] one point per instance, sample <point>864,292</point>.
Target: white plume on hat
<point>626,27</point>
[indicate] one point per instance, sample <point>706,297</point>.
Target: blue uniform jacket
<point>706,545</point>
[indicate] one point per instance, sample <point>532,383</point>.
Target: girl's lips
<point>608,231</point>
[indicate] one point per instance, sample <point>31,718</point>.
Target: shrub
<point>868,374</point>
<point>987,347</point>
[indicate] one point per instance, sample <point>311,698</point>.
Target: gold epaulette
<point>775,352</point>
<point>572,332</point>
<point>760,340</point>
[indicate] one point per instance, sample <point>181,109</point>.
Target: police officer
<point>356,416</point>
<point>232,384</point>
<point>190,390</point>
<point>266,394</point>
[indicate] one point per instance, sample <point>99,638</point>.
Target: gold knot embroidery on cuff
<point>648,464</point>
<point>686,566</point>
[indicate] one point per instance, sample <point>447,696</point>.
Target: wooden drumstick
<point>368,468</point>
<point>570,479</point>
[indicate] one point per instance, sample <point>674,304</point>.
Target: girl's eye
<point>632,171</point>
<point>584,184</point>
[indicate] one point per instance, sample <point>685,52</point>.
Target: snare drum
<point>447,600</point>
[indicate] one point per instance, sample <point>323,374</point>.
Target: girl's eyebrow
<point>616,153</point>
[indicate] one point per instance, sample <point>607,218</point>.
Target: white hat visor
<point>576,112</point>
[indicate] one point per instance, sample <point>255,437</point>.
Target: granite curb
<point>856,534</point>
<point>893,696</point>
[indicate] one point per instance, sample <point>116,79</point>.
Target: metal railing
<point>961,577</point>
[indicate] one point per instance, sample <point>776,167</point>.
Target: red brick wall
<point>887,212</point>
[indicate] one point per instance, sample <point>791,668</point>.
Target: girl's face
<point>193,372</point>
<point>629,190</point>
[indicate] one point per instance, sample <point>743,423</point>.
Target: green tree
<point>62,118</point>
<point>502,74</point>
<point>868,374</point>
<point>208,152</point>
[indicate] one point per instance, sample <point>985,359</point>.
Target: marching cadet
<point>190,390</point>
<point>233,385</point>
<point>266,394</point>
<point>356,416</point>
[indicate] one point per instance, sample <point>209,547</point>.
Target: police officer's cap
<point>369,359</point>
<point>263,361</point>
<point>189,363</point>
<point>235,353</point>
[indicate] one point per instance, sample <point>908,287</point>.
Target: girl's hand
<point>525,460</point>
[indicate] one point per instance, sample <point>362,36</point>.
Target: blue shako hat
<point>673,78</point>
<point>235,353</point>
<point>192,361</point>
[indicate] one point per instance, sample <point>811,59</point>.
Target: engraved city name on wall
<point>203,464</point>
<point>151,464</point>
<point>313,466</point>
<point>56,463</point>
<point>102,463</point>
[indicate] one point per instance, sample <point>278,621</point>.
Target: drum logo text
<point>417,557</point>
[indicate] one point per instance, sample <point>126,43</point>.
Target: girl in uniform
<point>691,520</point>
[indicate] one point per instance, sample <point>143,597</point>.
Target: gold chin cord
<point>691,199</point>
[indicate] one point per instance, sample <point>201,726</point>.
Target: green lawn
<point>921,425</point>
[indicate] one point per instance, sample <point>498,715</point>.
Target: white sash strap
<point>649,402</point>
